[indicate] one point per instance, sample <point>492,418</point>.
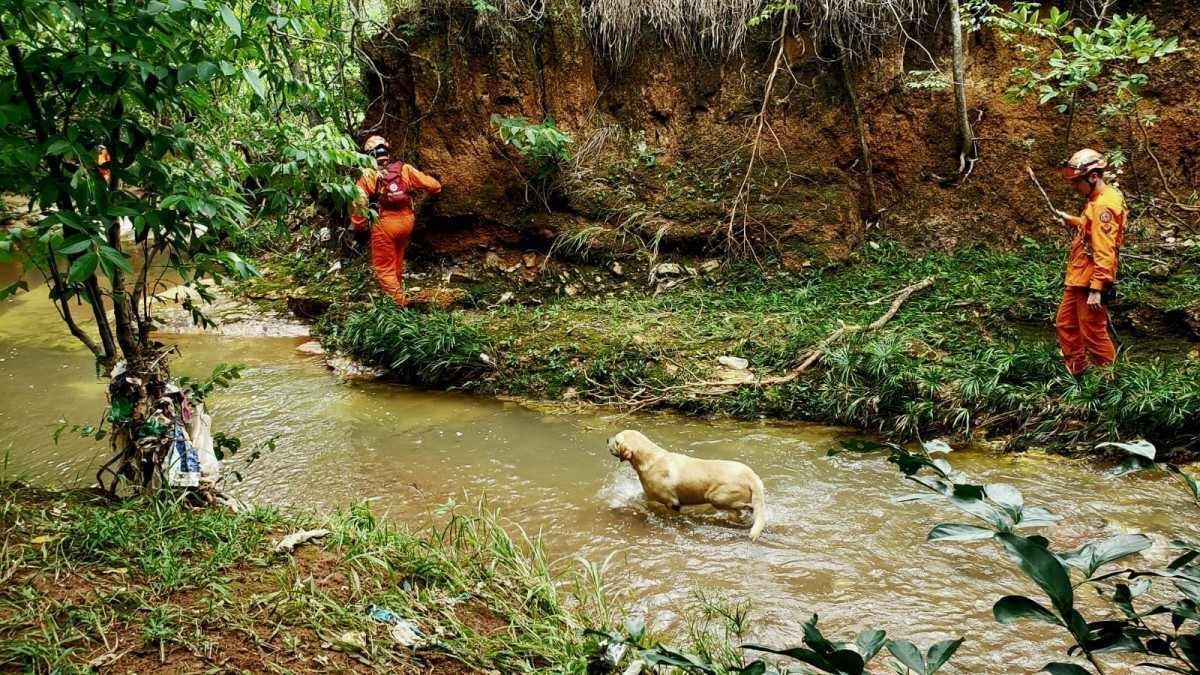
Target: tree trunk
<point>860,128</point>
<point>966,148</point>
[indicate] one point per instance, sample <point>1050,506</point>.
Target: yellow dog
<point>678,480</point>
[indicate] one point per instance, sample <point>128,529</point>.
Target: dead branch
<point>845,330</point>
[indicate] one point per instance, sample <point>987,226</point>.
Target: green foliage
<point>543,146</point>
<point>201,113</point>
<point>428,349</point>
<point>770,10</point>
<point>618,649</point>
<point>926,80</point>
<point>1108,59</point>
<point>1002,510</point>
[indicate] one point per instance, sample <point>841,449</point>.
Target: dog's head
<point>620,447</point>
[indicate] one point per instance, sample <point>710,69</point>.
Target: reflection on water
<point>835,544</point>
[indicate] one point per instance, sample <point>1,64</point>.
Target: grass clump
<point>429,349</point>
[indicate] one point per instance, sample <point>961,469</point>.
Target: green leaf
<point>11,289</point>
<point>959,532</point>
<point>1057,668</point>
<point>1044,569</point>
<point>79,245</point>
<point>231,20</point>
<point>869,642</point>
<point>1090,557</point>
<point>115,258</point>
<point>908,654</point>
<point>1013,608</point>
<point>83,267</point>
<point>251,75</point>
<point>940,653</point>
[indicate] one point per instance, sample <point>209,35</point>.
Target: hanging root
<point>737,233</point>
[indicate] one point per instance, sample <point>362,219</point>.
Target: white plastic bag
<point>200,432</point>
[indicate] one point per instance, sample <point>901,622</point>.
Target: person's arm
<point>1070,221</point>
<point>360,210</point>
<point>417,180</point>
<point>1105,226</point>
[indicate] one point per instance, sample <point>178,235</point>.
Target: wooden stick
<point>1049,204</point>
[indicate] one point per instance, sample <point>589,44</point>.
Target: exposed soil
<point>441,87</point>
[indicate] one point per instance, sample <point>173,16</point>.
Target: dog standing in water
<point>678,480</point>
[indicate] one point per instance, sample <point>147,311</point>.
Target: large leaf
<point>1140,448</point>
<point>83,267</point>
<point>908,654</point>
<point>869,642</point>
<point>111,258</point>
<point>1090,557</point>
<point>255,82</point>
<point>1044,569</point>
<point>838,662</point>
<point>959,532</point>
<point>231,20</point>
<point>969,498</point>
<point>1058,668</point>
<point>940,653</point>
<point>1012,608</point>
<point>1006,497</point>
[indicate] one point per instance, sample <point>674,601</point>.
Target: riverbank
<point>971,355</point>
<point>150,586</point>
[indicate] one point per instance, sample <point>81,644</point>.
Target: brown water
<point>835,545</point>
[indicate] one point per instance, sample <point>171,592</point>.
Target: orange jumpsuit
<point>390,234</point>
<point>1092,266</point>
<point>102,160</point>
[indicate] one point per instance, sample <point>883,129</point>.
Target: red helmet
<point>1082,163</point>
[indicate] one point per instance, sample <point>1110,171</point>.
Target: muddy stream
<point>835,545</point>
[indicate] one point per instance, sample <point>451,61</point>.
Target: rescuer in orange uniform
<point>1082,322</point>
<point>389,189</point>
<point>102,161</point>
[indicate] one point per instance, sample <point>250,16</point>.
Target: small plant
<point>543,146</point>
<point>926,80</point>
<point>633,647</point>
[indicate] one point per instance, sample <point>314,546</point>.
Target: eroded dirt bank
<point>660,142</point>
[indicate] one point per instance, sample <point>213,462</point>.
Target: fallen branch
<point>643,398</point>
<point>845,330</point>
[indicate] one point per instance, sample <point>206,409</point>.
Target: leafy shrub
<point>543,146</point>
<point>426,349</point>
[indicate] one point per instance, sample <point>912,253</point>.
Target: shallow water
<point>835,545</point>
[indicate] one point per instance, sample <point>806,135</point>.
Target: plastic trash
<point>403,632</point>
<point>200,432</point>
<point>734,362</point>
<point>184,467</point>
<point>294,539</point>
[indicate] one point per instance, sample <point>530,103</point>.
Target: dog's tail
<point>759,502</point>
